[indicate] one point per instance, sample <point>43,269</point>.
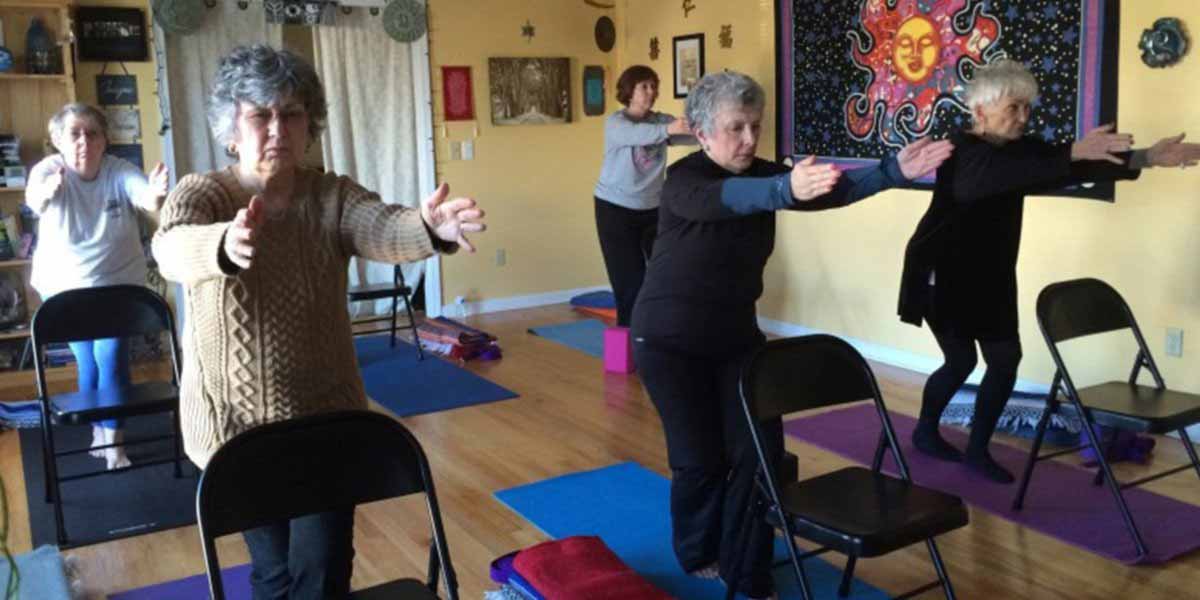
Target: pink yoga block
<point>618,353</point>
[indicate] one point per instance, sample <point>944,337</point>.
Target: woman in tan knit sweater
<point>262,249</point>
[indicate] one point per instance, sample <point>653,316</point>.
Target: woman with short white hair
<point>960,265</point>
<point>694,321</point>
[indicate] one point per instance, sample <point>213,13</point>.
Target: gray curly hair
<point>716,91</point>
<point>78,110</point>
<point>1002,79</point>
<point>262,75</point>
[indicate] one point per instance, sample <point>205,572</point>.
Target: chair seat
<point>111,403</point>
<point>861,513</point>
<point>1138,407</point>
<point>377,291</point>
<point>401,589</point>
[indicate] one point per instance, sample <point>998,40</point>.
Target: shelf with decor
<point>38,81</point>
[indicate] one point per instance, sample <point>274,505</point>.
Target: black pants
<point>626,241</point>
<point>1002,358</point>
<point>712,461</point>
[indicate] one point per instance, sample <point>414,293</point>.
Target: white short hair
<point>1004,78</point>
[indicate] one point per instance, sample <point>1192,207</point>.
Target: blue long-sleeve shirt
<point>716,230</point>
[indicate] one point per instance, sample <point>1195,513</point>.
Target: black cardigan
<point>970,236</point>
<point>713,242</point>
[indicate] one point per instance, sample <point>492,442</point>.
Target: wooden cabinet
<point>27,101</point>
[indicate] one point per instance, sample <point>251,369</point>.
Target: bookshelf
<point>27,101</point>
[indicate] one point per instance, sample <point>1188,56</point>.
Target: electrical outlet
<point>455,150</point>
<point>468,150</point>
<point>501,257</point>
<point>1174,341</point>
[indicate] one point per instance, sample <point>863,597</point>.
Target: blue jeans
<point>307,558</point>
<point>103,363</point>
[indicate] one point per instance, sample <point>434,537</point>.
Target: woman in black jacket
<point>694,320</point>
<point>960,265</point>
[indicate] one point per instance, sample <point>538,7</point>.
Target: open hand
<point>1100,144</point>
<point>450,220</point>
<point>679,127</point>
<point>1172,152</point>
<point>159,178</point>
<point>41,192</point>
<point>810,180</point>
<point>242,233</point>
<point>923,156</point>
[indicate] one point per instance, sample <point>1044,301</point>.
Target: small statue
<point>1164,44</point>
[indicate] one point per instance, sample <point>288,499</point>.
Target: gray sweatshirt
<point>635,159</point>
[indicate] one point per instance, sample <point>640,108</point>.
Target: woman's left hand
<point>1172,152</point>
<point>450,220</point>
<point>159,178</point>
<point>923,156</point>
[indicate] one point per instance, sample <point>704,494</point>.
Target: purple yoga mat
<point>235,579</point>
<point>1061,501</point>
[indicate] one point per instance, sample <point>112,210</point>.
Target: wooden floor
<point>571,416</point>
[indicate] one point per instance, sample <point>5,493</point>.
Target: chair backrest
<point>309,465</point>
<point>101,312</point>
<point>813,371</point>
<point>800,373</point>
<point>1081,307</point>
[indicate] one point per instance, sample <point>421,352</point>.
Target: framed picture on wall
<point>116,89</point>
<point>458,101</point>
<point>124,124</point>
<point>688,51</point>
<point>530,91</point>
<point>129,152</point>
<point>593,90</point>
<point>111,34</point>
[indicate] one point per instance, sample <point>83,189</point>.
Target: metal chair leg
<point>940,567</point>
<point>177,443</point>
<point>1019,501</point>
<point>847,577</point>
<point>412,321</point>
<point>1113,486</point>
<point>395,301</point>
<point>1191,450</point>
<point>54,491</point>
<point>47,454</point>
<point>877,463</point>
<point>1110,450</point>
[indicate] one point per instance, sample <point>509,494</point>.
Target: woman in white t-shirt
<point>88,236</point>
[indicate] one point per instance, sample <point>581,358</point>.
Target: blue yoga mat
<point>235,580</point>
<point>406,386</point>
<point>42,574</point>
<point>587,335</point>
<point>628,506</point>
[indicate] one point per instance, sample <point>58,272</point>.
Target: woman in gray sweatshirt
<point>631,180</point>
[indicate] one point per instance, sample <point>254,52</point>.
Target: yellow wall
<point>839,270</point>
<point>535,182</point>
<point>85,84</point>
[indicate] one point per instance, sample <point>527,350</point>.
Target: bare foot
<point>115,458</point>
<point>706,572</point>
<point>97,440</point>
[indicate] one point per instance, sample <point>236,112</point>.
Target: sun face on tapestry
<point>912,52</point>
<point>863,78</point>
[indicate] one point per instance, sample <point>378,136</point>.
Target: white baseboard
<point>515,302</point>
<point>892,356</point>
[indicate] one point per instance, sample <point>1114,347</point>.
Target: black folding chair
<point>857,511</point>
<point>95,313</point>
<point>396,290</point>
<point>317,464</point>
<point>1082,307</point>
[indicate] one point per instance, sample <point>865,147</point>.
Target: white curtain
<point>191,64</point>
<point>371,137</point>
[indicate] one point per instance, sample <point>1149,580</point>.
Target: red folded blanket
<point>582,568</point>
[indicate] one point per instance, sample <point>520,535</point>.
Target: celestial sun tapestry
<point>860,79</point>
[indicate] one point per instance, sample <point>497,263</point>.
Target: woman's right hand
<point>810,180</point>
<point>241,234</point>
<point>43,191</point>
<point>679,127</point>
